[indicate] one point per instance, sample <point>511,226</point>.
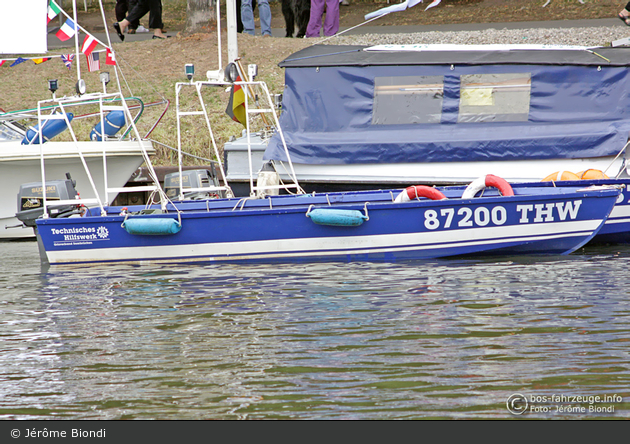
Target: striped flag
<point>434,3</point>
<point>110,58</point>
<point>236,104</point>
<point>67,59</point>
<point>93,61</point>
<point>2,62</point>
<point>67,31</point>
<point>89,43</point>
<point>53,10</point>
<point>41,60</point>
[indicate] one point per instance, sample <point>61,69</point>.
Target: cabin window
<point>494,97</point>
<point>407,99</point>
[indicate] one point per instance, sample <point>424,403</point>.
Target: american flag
<point>68,59</point>
<point>93,62</point>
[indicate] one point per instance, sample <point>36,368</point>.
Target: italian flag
<point>53,10</point>
<point>67,31</point>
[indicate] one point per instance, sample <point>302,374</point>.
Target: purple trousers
<point>331,22</point>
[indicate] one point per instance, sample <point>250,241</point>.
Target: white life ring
<point>417,191</point>
<point>489,180</point>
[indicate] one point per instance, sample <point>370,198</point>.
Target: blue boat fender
<point>152,226</point>
<point>113,122</point>
<point>337,217</point>
<point>51,128</point>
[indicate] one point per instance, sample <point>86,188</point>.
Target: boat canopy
<point>434,103</point>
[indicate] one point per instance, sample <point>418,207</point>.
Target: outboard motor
<point>193,179</point>
<point>31,200</point>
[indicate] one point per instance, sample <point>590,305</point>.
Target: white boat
<point>111,159</point>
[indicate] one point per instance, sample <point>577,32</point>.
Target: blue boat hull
<point>547,221</point>
<point>616,230</point>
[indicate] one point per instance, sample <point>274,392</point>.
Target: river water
<point>426,339</point>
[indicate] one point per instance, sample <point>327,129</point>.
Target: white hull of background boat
<point>21,164</point>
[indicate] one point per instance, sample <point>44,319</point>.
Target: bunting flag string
<point>72,26</point>
<point>399,7</point>
<point>17,62</point>
<point>110,58</point>
<point>89,43</point>
<point>67,59</point>
<point>40,60</point>
<point>93,61</point>
<point>53,10</point>
<point>67,30</point>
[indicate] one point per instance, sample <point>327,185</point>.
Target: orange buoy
<point>592,174</point>
<point>561,175</point>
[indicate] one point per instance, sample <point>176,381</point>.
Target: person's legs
<point>155,17</point>
<point>315,21</point>
<point>331,22</point>
<point>122,6</point>
<point>132,25</point>
<point>624,15</point>
<point>247,17</point>
<point>264,12</point>
<point>135,14</point>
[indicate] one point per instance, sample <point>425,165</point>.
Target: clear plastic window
<point>494,97</point>
<point>407,99</point>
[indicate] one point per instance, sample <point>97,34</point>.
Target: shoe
<point>121,36</point>
<point>162,38</point>
<point>624,19</point>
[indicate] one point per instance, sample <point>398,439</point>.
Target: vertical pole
<point>231,31</point>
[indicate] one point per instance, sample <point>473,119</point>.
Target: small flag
<point>434,3</point>
<point>89,43</point>
<point>2,62</point>
<point>236,104</point>
<point>41,60</point>
<point>53,10</point>
<point>393,8</point>
<point>93,61</point>
<point>110,58</point>
<point>67,59</point>
<point>67,30</point>
<point>17,62</point>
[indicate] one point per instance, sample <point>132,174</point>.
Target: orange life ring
<point>592,174</point>
<point>561,175</point>
<point>489,180</point>
<point>417,191</point>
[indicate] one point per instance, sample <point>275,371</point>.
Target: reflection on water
<point>432,339</point>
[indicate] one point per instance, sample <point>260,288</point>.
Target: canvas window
<point>407,99</point>
<point>494,97</point>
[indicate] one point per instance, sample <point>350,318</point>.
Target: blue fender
<point>113,122</point>
<point>51,129</point>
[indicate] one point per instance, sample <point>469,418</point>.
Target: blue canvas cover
<point>343,105</point>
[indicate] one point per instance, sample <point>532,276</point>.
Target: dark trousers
<point>153,7</point>
<point>122,7</point>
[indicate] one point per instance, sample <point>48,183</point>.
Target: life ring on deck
<point>592,174</point>
<point>561,175</point>
<point>489,180</point>
<point>417,191</point>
